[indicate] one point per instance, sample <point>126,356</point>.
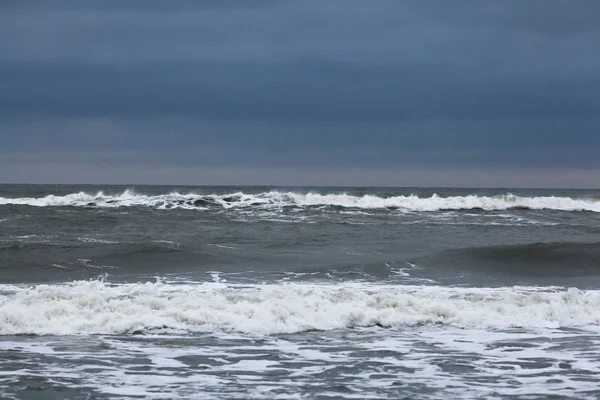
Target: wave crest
<point>98,308</point>
<point>276,199</point>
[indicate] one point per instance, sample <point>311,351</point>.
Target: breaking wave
<point>95,307</point>
<point>277,199</point>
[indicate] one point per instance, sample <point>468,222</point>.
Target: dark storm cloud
<point>303,91</point>
<point>364,83</point>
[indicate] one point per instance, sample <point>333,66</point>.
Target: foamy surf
<point>275,199</point>
<point>95,307</point>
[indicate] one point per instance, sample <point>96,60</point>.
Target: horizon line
<point>298,186</point>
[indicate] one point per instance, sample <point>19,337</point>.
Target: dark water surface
<point>249,292</point>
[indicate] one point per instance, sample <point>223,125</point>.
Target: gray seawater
<point>260,292</point>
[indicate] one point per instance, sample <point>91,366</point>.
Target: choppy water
<point>214,292</point>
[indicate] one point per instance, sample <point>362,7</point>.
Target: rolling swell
<point>35,262</point>
<point>559,259</point>
<point>282,200</point>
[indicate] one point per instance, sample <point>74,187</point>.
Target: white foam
<point>221,246</point>
<point>126,199</point>
<point>95,307</point>
<point>449,362</point>
<point>90,264</point>
<point>280,199</point>
<point>436,203</point>
<point>94,240</point>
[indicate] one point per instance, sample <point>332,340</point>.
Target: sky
<point>475,93</point>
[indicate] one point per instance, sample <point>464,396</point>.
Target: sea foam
<point>95,307</point>
<point>275,199</point>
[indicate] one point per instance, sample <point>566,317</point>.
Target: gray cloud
<point>35,170</point>
<point>348,84</point>
<point>105,134</point>
<point>311,91</point>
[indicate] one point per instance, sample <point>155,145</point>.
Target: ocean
<point>159,292</point>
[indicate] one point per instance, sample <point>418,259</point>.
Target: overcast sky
<point>374,92</point>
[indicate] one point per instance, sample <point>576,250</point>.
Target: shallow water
<point>164,292</point>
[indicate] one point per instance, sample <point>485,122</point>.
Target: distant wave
<point>98,308</point>
<point>276,199</point>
